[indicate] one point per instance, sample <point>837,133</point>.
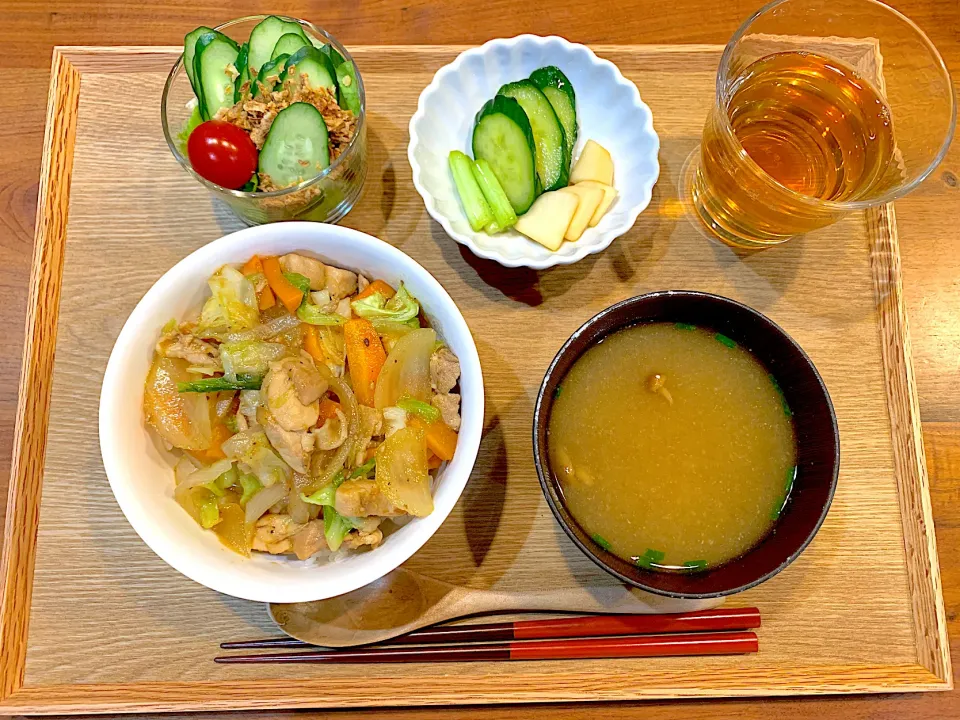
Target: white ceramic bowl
<point>141,474</point>
<point>609,111</point>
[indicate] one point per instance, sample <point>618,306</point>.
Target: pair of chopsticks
<point>724,631</point>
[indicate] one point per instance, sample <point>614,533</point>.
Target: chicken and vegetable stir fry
<point>311,407</point>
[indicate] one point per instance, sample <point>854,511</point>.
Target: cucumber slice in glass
<point>270,74</point>
<point>313,64</point>
<point>296,147</point>
<point>215,55</point>
<point>336,59</point>
<point>349,89</point>
<point>263,38</point>
<point>288,44</point>
<point>189,52</point>
<point>548,136</point>
<point>502,136</point>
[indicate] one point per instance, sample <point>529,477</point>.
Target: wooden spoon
<point>405,600</point>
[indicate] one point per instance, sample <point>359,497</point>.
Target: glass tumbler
<point>327,197</point>
<point>822,107</point>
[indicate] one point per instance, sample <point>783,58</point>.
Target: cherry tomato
<point>222,153</point>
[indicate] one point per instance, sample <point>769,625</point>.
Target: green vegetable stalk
<point>503,213</point>
<point>424,411</point>
<point>219,384</point>
<point>475,205</point>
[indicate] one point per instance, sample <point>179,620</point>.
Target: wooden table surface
<point>928,222</point>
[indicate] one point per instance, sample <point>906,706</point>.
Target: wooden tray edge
<point>916,510</point>
<point>40,336</point>
<point>16,567</point>
<point>450,689</point>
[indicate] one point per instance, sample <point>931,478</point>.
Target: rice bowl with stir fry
<point>309,405</point>
<point>274,433</point>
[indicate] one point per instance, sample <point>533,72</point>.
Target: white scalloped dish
<point>609,111</point>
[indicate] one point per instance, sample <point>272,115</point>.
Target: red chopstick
<point>722,643</point>
<point>569,627</point>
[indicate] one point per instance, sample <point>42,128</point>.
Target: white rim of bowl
<point>466,240</point>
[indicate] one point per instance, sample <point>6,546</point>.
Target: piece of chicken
<point>313,270</point>
<point>362,498</point>
<point>274,533</point>
<point>444,370</point>
<point>356,539</point>
<point>294,446</point>
<point>449,406</point>
<point>195,351</point>
<point>362,283</point>
<point>340,283</point>
<point>309,540</point>
<point>292,388</point>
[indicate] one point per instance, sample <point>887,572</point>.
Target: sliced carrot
<point>328,410</point>
<point>433,462</point>
<point>365,357</point>
<point>377,286</point>
<point>369,453</point>
<point>267,298</point>
<point>441,440</point>
<point>311,342</point>
<point>290,295</point>
<point>221,433</point>
<point>253,265</point>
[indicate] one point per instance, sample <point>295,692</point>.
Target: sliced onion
<point>266,330</point>
<point>407,369</point>
<point>263,500</point>
<point>185,467</point>
<point>205,474</point>
<point>296,507</point>
<point>351,411</point>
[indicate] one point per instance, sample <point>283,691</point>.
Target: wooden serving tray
<point>92,621</point>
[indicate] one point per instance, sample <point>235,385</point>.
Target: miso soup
<point>673,446</point>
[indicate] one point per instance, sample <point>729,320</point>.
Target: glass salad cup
<point>328,197</point>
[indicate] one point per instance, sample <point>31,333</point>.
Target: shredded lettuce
<point>336,527</point>
<point>312,315</point>
<point>365,469</point>
<point>333,344</point>
<point>188,129</point>
<point>402,307</point>
<point>394,329</point>
<point>249,357</point>
<point>328,493</point>
<point>210,512</point>
<point>232,305</point>
<point>254,453</point>
<point>300,282</point>
<point>250,486</point>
